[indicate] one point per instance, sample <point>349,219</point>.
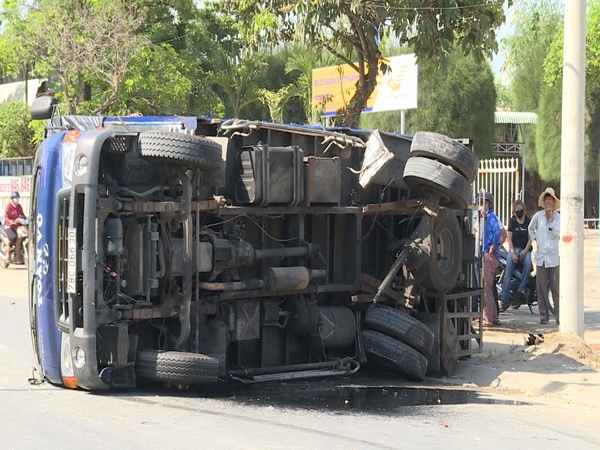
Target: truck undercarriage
<point>254,251</point>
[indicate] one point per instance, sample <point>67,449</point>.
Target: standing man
<point>490,245</point>
<point>13,211</point>
<point>545,229</point>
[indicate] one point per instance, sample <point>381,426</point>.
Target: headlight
<point>81,165</point>
<point>78,357</point>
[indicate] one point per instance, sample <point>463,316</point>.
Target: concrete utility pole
<point>572,170</point>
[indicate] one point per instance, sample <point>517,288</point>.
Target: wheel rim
<point>445,249</point>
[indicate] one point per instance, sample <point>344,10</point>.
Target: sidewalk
<point>564,367</point>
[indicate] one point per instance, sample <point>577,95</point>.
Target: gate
<point>500,177</point>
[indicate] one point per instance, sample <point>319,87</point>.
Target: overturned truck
<point>186,251</point>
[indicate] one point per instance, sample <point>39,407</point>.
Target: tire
<point>424,174</point>
<point>400,326</point>
<point>167,147</point>
<point>446,150</point>
<point>446,253</point>
<point>5,262</point>
<point>33,324</point>
<point>394,355</point>
<point>176,367</point>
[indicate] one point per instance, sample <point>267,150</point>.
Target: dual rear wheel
<point>396,341</point>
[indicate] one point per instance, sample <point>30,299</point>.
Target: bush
<point>16,136</point>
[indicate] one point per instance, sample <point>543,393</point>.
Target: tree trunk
<point>364,88</point>
<point>368,69</point>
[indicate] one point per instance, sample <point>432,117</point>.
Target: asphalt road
<point>353,412</point>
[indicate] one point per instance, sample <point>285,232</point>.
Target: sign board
<point>9,184</point>
<point>333,87</point>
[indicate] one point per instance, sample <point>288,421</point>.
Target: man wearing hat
<point>544,228</point>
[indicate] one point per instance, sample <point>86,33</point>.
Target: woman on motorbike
<point>519,246</point>
<point>13,211</point>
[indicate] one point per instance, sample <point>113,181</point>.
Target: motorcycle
<point>516,300</point>
<point>23,233</point>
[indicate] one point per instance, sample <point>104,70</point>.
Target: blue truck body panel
<point>50,182</point>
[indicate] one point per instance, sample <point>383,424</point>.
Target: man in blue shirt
<point>490,244</point>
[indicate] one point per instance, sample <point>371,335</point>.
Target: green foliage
<point>504,100</point>
<point>16,137</point>
<point>548,134</point>
<point>535,24</point>
<point>154,84</point>
<point>80,42</point>
<point>353,30</point>
<point>302,60</point>
<point>459,103</point>
<point>237,82</point>
<point>553,70</point>
<point>553,63</point>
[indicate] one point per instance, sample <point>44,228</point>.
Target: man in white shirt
<point>545,229</point>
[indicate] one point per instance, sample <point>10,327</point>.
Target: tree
<point>553,67</point>
<point>155,83</point>
<point>548,134</point>
<point>16,136</point>
<point>237,81</point>
<point>290,73</point>
<point>80,42</point>
<point>108,58</point>
<point>353,31</point>
<point>197,36</point>
<point>535,23</point>
<point>301,63</point>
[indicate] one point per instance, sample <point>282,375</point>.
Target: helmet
<point>14,194</point>
<point>488,197</point>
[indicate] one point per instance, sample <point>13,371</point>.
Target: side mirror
<point>43,107</point>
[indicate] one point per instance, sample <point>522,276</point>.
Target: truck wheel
<point>168,147</point>
<point>423,174</point>
<point>401,326</point>
<point>176,367</point>
<point>446,253</point>
<point>394,355</point>
<point>33,324</point>
<point>447,150</point>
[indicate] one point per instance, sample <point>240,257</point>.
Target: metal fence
<point>500,177</point>
<point>16,166</point>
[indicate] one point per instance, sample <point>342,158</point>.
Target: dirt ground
<point>564,367</point>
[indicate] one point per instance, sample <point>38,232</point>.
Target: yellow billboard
<point>333,87</point>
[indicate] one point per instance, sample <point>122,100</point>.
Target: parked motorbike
<point>516,299</point>
<point>23,233</point>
